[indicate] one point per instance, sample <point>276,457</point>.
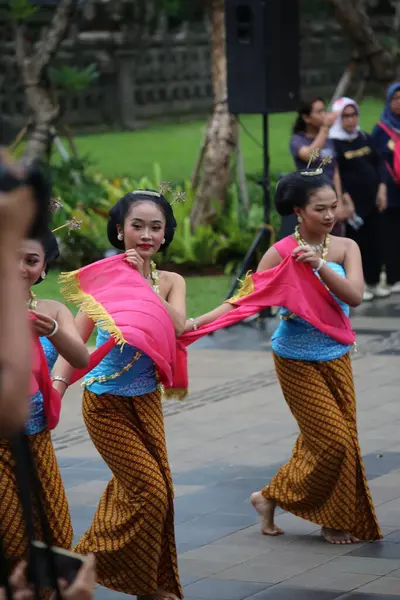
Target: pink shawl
<point>291,285</point>
<point>117,298</point>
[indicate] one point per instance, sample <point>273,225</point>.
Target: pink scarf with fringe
<point>118,300</point>
<point>292,285</point>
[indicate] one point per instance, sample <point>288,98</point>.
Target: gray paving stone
<point>214,589</point>
<point>395,574</point>
<point>384,585</point>
<point>86,494</point>
<point>392,538</point>
<point>284,592</point>
<point>219,551</point>
<point>320,578</point>
<point>370,566</point>
<point>201,568</point>
<point>378,550</point>
<point>274,567</point>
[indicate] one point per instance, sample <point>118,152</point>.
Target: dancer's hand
<point>43,325</point>
<point>306,254</point>
<point>132,258</point>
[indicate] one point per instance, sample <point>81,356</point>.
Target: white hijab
<point>337,132</point>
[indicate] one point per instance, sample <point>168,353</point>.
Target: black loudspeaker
<point>262,49</point>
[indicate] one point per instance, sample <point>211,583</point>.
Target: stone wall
<point>165,76</point>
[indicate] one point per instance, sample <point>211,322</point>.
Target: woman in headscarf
<point>132,534</point>
<point>385,136</point>
<point>362,173</point>
<point>55,326</point>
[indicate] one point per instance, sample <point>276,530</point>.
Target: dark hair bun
<point>119,212</point>
<point>294,190</point>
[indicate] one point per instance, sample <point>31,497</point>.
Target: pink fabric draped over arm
<point>119,300</point>
<point>292,285</point>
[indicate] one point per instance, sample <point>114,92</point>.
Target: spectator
<point>362,174</point>
<point>384,136</point>
<point>310,133</point>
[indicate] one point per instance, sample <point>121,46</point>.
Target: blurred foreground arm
<point>17,210</point>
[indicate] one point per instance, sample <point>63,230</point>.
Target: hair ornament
<point>73,224</point>
<point>164,188</point>
<point>55,204</point>
<point>178,197</point>
<point>320,169</point>
<point>313,156</point>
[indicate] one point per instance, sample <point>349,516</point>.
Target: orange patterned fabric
<point>132,533</point>
<point>12,527</point>
<point>324,482</point>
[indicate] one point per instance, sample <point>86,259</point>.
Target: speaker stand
<point>264,233</point>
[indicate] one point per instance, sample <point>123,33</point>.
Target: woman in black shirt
<point>362,174</point>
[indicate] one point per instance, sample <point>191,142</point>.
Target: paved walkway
<point>228,439</point>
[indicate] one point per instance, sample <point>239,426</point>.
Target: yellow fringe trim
<point>72,292</point>
<point>175,393</point>
<point>246,287</point>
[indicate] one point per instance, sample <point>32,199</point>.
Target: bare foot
<point>333,536</point>
<point>266,510</point>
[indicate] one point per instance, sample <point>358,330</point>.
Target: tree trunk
<point>33,64</point>
<point>352,16</point>
<point>222,130</point>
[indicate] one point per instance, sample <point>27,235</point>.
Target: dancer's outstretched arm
<point>209,317</point>
<point>62,371</point>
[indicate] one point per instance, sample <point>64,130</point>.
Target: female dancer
<point>56,327</point>
<point>132,533</point>
<point>386,136</point>
<point>325,481</point>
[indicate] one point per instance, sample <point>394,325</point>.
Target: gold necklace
<point>154,277</point>
<point>321,248</point>
<point>32,302</point>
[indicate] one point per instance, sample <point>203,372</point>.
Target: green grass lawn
<point>203,293</point>
<point>176,146</point>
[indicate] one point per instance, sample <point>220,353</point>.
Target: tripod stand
<point>264,232</point>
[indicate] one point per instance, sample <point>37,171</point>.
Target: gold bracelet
<point>62,379</point>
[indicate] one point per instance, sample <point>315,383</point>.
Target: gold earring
<point>120,236</point>
<point>299,219</point>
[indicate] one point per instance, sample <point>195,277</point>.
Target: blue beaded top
<point>299,340</point>
<point>37,419</point>
<point>138,380</point>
